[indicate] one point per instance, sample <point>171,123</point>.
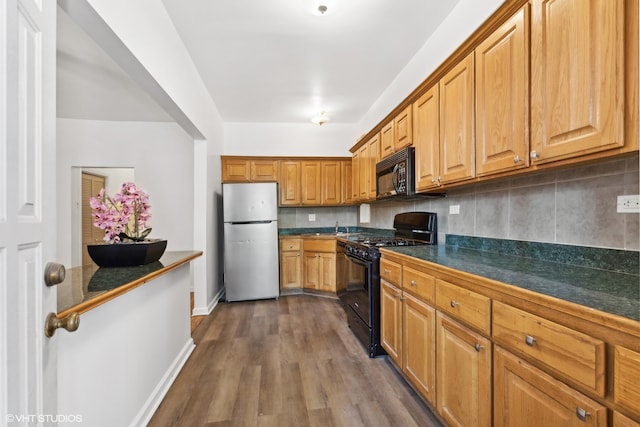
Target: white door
<point>27,210</point>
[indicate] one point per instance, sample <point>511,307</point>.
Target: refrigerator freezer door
<point>251,261</point>
<point>250,202</point>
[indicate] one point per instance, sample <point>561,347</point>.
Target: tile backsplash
<point>575,206</point>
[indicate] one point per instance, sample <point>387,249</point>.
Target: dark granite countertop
<point>87,287</point>
<point>613,292</point>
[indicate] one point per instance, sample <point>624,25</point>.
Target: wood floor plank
<point>291,362</point>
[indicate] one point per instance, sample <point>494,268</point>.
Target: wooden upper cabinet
<point>403,133</point>
<point>348,190</point>
<point>502,93</point>
<point>577,77</point>
<point>289,187</point>
<point>264,170</point>
<point>239,169</point>
<point>397,134</point>
<point>310,176</point>
<point>457,139</point>
<point>364,167</point>
<point>387,140</point>
<point>426,139</point>
<point>374,157</point>
<point>236,170</point>
<point>331,182</point>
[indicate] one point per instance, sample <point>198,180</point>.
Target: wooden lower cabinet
<point>419,346</point>
<point>525,396</point>
<point>320,271</point>
<point>290,264</point>
<point>463,368</point>
<point>391,321</point>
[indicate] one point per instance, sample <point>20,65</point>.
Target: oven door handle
<point>395,178</point>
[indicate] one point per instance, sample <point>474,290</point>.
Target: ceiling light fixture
<point>320,119</point>
<point>322,9</point>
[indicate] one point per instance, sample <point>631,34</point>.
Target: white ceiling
<point>262,61</point>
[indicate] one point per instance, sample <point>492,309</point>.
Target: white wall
<point>466,17</point>
<point>167,178</point>
<point>288,139</point>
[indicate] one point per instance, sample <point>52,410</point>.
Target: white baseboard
<point>199,311</point>
<point>154,400</point>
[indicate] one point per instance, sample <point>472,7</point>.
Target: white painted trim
<point>161,390</point>
<point>210,307</point>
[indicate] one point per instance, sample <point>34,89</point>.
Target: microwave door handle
<point>394,177</point>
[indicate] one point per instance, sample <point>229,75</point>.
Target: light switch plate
<point>312,217</point>
<point>454,210</point>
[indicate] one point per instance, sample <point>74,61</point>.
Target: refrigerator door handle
<point>268,221</point>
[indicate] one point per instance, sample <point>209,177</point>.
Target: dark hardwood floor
<point>291,362</point>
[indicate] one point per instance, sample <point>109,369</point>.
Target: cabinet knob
<point>439,179</point>
<point>582,414</point>
<point>534,155</point>
<point>453,303</point>
<point>530,340</point>
<point>386,271</point>
<point>516,159</point>
<point>413,283</point>
<point>477,347</point>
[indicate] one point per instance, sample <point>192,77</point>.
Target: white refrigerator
<point>250,212</point>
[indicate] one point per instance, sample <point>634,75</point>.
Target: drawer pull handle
<point>477,347</point>
<point>413,283</point>
<point>453,303</point>
<point>530,340</point>
<point>582,414</point>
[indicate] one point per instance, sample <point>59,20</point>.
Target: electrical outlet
<point>454,209</point>
<point>312,217</point>
<point>629,204</point>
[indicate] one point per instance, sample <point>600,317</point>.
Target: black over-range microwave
<point>395,175</point>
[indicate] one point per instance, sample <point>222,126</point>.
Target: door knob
<point>54,273</point>
<point>70,323</point>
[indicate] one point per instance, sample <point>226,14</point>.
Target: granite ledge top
<point>85,288</point>
<point>611,292</point>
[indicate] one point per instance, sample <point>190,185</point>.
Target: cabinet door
<point>391,321</point>
<point>355,162</point>
<point>374,156</point>
<point>527,397</point>
<point>236,170</point>
<point>289,187</point>
<point>419,346</point>
<point>577,77</point>
<point>364,171</point>
<point>348,190</point>
<point>463,367</point>
<point>331,182</point>
<point>290,270</point>
<point>327,271</point>
<point>264,170</point>
<point>311,269</point>
<point>426,139</point>
<point>311,188</point>
<point>403,129</point>
<point>502,94</point>
<point>387,140</point>
<point>457,140</point>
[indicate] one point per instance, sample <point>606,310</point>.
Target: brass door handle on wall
<point>70,323</point>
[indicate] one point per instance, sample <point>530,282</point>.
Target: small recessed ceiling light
<point>322,9</point>
<point>320,119</point>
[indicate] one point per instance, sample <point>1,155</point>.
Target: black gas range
<point>361,298</point>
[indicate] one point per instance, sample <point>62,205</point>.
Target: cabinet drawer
<point>391,272</point>
<point>465,305</point>
<point>319,245</point>
<point>290,245</point>
<point>419,284</point>
<point>626,373</point>
<point>563,350</point>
